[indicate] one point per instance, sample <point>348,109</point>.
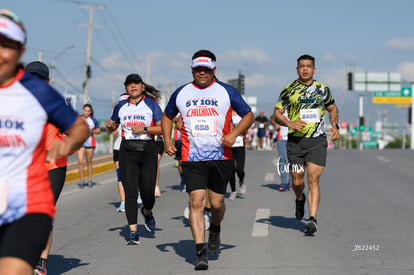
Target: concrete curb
<point>73,175</point>
<point>102,165</point>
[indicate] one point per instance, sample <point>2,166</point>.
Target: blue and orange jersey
<point>26,106</point>
<point>147,112</point>
<point>92,124</point>
<point>206,114</point>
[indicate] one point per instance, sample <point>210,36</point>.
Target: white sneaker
<point>242,189</point>
<point>232,196</point>
<point>139,200</point>
<point>187,211</point>
<point>121,207</point>
<point>207,221</point>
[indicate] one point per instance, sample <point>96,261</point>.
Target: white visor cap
<point>203,61</point>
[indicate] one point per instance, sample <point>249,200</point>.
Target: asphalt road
<point>365,223</point>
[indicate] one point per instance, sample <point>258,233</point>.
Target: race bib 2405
<point>310,115</point>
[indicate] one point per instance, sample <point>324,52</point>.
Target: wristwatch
<point>337,126</point>
<point>145,129</point>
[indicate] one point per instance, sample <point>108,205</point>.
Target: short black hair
<point>88,105</point>
<point>38,68</point>
<point>306,57</point>
<point>204,53</point>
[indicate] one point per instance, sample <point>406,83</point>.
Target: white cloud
<point>328,57</point>
<point>407,71</point>
<point>243,59</point>
<point>399,44</point>
<point>335,79</point>
<point>116,61</point>
<point>249,61</point>
<point>247,54</point>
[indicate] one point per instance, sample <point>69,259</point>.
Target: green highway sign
<point>354,131</point>
<point>370,143</point>
<point>405,92</point>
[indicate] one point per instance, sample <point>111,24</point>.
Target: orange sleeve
<point>52,134</point>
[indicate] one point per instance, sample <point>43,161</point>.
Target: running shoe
<point>311,226</point>
<point>300,208</point>
<point>82,185</point>
<point>139,200</point>
<point>290,187</point>
<point>187,211</point>
<point>201,262</point>
<point>233,196</point>
<point>121,207</point>
<point>38,270</point>
<point>242,189</point>
<point>213,243</point>
<point>207,220</point>
<point>150,223</point>
<point>90,184</point>
<point>133,238</point>
<point>282,187</point>
<point>182,187</point>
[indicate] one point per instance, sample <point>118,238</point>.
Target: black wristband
<point>337,126</point>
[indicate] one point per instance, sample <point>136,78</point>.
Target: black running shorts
<point>302,150</point>
<point>160,147</point>
<point>213,174</point>
<point>25,238</point>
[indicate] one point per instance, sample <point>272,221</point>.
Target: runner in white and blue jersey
<point>206,107</point>
<point>27,105</point>
<point>140,118</point>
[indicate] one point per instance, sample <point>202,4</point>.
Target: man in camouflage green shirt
<point>306,101</point>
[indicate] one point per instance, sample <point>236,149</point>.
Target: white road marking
<point>383,159</point>
<point>269,177</point>
<point>260,226</point>
<point>67,193</point>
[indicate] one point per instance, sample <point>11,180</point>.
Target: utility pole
<point>361,120</point>
<point>90,25</point>
<point>412,118</point>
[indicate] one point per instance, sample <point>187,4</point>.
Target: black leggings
<point>239,158</point>
<point>138,173</point>
<point>57,178</point>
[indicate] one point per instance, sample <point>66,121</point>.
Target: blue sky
<point>262,39</point>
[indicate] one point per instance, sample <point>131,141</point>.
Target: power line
<point>67,81</point>
<point>120,46</point>
<point>103,68</point>
<point>125,42</point>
